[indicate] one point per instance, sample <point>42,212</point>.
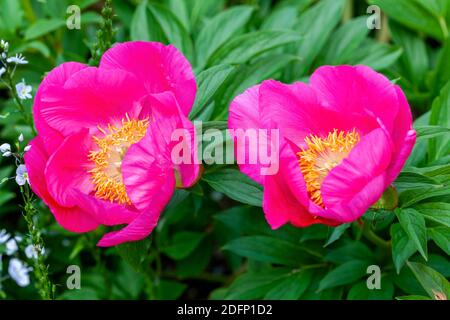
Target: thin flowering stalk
<point>44,285</point>
<point>105,36</point>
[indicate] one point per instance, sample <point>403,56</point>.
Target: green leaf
<point>344,274</point>
<point>435,211</point>
<point>144,26</point>
<point>255,285</point>
<point>361,292</point>
<point>435,284</point>
<point>414,60</point>
<point>411,197</point>
<point>134,253</point>
<point>345,41</point>
<point>209,82</point>
<point>413,223</point>
<point>350,252</point>
<point>281,19</point>
<point>291,287</point>
<point>235,185</point>
<point>316,24</point>
<point>441,236</point>
<point>11,15</point>
<point>169,290</point>
<point>183,244</point>
<point>412,298</point>
<point>173,30</point>
<point>42,27</point>
<point>411,15</point>
<point>337,233</point>
<point>219,30</point>
<point>402,247</point>
<point>269,249</point>
<point>440,115</point>
<point>378,56</point>
<point>243,48</point>
<point>427,132</point>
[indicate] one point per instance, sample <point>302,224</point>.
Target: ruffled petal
<point>244,114</point>
<point>91,98</point>
<point>404,137</point>
<point>73,219</point>
<point>354,175</point>
<point>57,77</point>
<point>296,111</point>
<point>359,89</point>
<point>67,169</point>
<point>159,67</point>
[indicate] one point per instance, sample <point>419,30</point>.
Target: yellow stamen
<point>321,156</point>
<point>112,147</point>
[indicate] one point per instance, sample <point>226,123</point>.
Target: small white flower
<point>31,252</point>
<point>4,236</point>
<point>7,154</point>
<point>3,55</point>
<point>11,247</point>
<point>4,44</point>
<point>18,239</point>
<point>5,148</point>
<point>23,90</point>
<point>2,71</point>
<point>21,175</point>
<point>20,137</point>
<point>27,148</point>
<point>17,59</point>
<point>18,271</point>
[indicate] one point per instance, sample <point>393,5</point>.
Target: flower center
<point>112,147</point>
<point>321,156</point>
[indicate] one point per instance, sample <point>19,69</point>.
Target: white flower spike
<point>17,59</point>
<point>18,271</point>
<point>31,252</point>
<point>23,90</point>
<point>21,175</point>
<point>2,71</point>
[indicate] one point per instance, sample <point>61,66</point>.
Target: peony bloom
<point>103,150</point>
<point>343,140</point>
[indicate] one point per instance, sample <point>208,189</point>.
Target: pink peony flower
<point>343,140</point>
<point>103,150</point>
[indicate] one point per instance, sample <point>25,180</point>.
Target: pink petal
<point>67,169</point>
<point>171,128</point>
<point>403,136</point>
<point>244,113</point>
<point>73,219</point>
<point>105,212</point>
<point>297,112</point>
<point>91,98</point>
<point>57,77</point>
<point>159,67</point>
<point>359,89</point>
<point>359,181</point>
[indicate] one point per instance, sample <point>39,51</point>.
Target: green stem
<point>44,285</point>
<point>374,238</point>
<point>444,27</point>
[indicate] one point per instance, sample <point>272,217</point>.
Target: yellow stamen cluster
<point>321,156</point>
<point>107,174</point>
